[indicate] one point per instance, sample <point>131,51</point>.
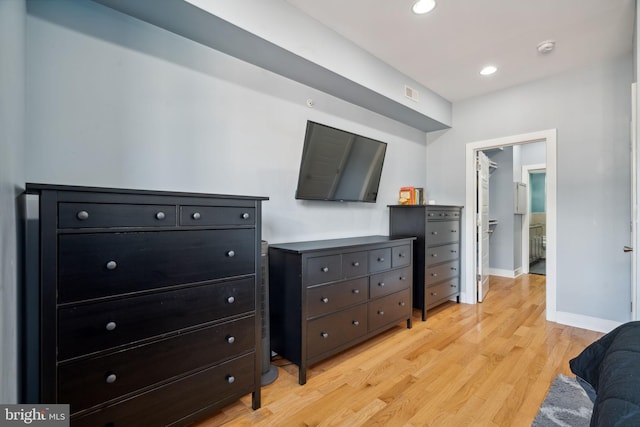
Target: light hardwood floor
<point>487,364</point>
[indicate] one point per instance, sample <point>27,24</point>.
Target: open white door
<point>482,215</point>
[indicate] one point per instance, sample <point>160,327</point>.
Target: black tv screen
<point>340,166</point>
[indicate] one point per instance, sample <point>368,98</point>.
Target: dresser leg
<point>302,374</point>
<point>255,400</point>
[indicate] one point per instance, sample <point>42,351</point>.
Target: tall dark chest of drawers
<point>436,252</point>
<point>140,306</point>
<point>329,295</point>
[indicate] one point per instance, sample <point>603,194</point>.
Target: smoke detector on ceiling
<point>546,46</point>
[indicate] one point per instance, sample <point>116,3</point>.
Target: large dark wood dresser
<point>329,295</point>
<point>436,253</point>
<point>140,306</point>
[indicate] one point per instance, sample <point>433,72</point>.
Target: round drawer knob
<point>160,216</point>
<point>435,233</point>
<point>231,339</point>
<point>356,291</point>
<point>453,251</point>
<point>434,255</point>
<point>112,265</point>
<point>380,259</point>
<point>231,254</point>
<point>402,278</point>
<point>196,215</point>
<point>231,300</point>
<point>325,300</point>
<point>111,378</point>
<point>381,313</point>
<point>434,294</point>
<point>82,215</point>
<point>355,323</point>
<point>231,379</point>
<point>454,231</point>
<point>434,274</point>
<point>402,304</point>
<point>324,335</point>
<point>453,268</point>
<point>401,255</point>
<point>356,264</point>
<point>110,326</point>
<point>453,285</point>
<point>245,215</point>
<point>381,284</point>
<point>325,269</point>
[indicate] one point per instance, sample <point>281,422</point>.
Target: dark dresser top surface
<point>318,245</point>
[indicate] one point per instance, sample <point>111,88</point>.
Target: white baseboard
<point>511,274</point>
<point>586,322</point>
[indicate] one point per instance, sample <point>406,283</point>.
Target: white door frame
<point>526,169</point>
<point>468,294</point>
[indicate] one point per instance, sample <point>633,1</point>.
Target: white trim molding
<point>468,291</point>
<point>586,322</point>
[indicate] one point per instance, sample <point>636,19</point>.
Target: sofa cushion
<point>611,365</point>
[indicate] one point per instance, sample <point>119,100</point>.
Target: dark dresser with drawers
<point>329,295</point>
<point>140,306</point>
<point>437,249</point>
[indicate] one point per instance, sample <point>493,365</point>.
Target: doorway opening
<point>469,288</point>
<point>534,238</point>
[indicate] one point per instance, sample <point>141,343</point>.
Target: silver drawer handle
<point>401,303</point>
<point>356,264</point>
<point>434,255</point>
<point>110,326</point>
<point>355,323</point>
<point>434,274</point>
<point>324,335</point>
<point>231,379</point>
<point>356,291</point>
<point>231,254</point>
<point>111,378</point>
<point>402,278</point>
<point>196,215</point>
<point>325,269</point>
<point>112,265</point>
<point>381,284</point>
<point>245,215</point>
<point>381,313</point>
<point>325,300</point>
<point>160,216</point>
<point>231,300</point>
<point>380,259</point>
<point>82,215</point>
<point>231,339</point>
<point>435,233</point>
<point>434,294</point>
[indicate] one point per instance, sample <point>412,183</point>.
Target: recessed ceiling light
<point>546,46</point>
<point>423,6</point>
<point>488,70</point>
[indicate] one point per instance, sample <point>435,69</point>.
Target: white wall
<point>590,108</point>
<point>12,17</point>
<point>121,103</point>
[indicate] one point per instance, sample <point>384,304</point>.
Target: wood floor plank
<point>488,364</point>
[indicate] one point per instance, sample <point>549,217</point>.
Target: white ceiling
<point>446,49</point>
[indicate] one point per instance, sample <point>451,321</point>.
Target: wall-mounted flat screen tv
<point>340,166</point>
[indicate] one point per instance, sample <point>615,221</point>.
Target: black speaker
<point>269,372</point>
